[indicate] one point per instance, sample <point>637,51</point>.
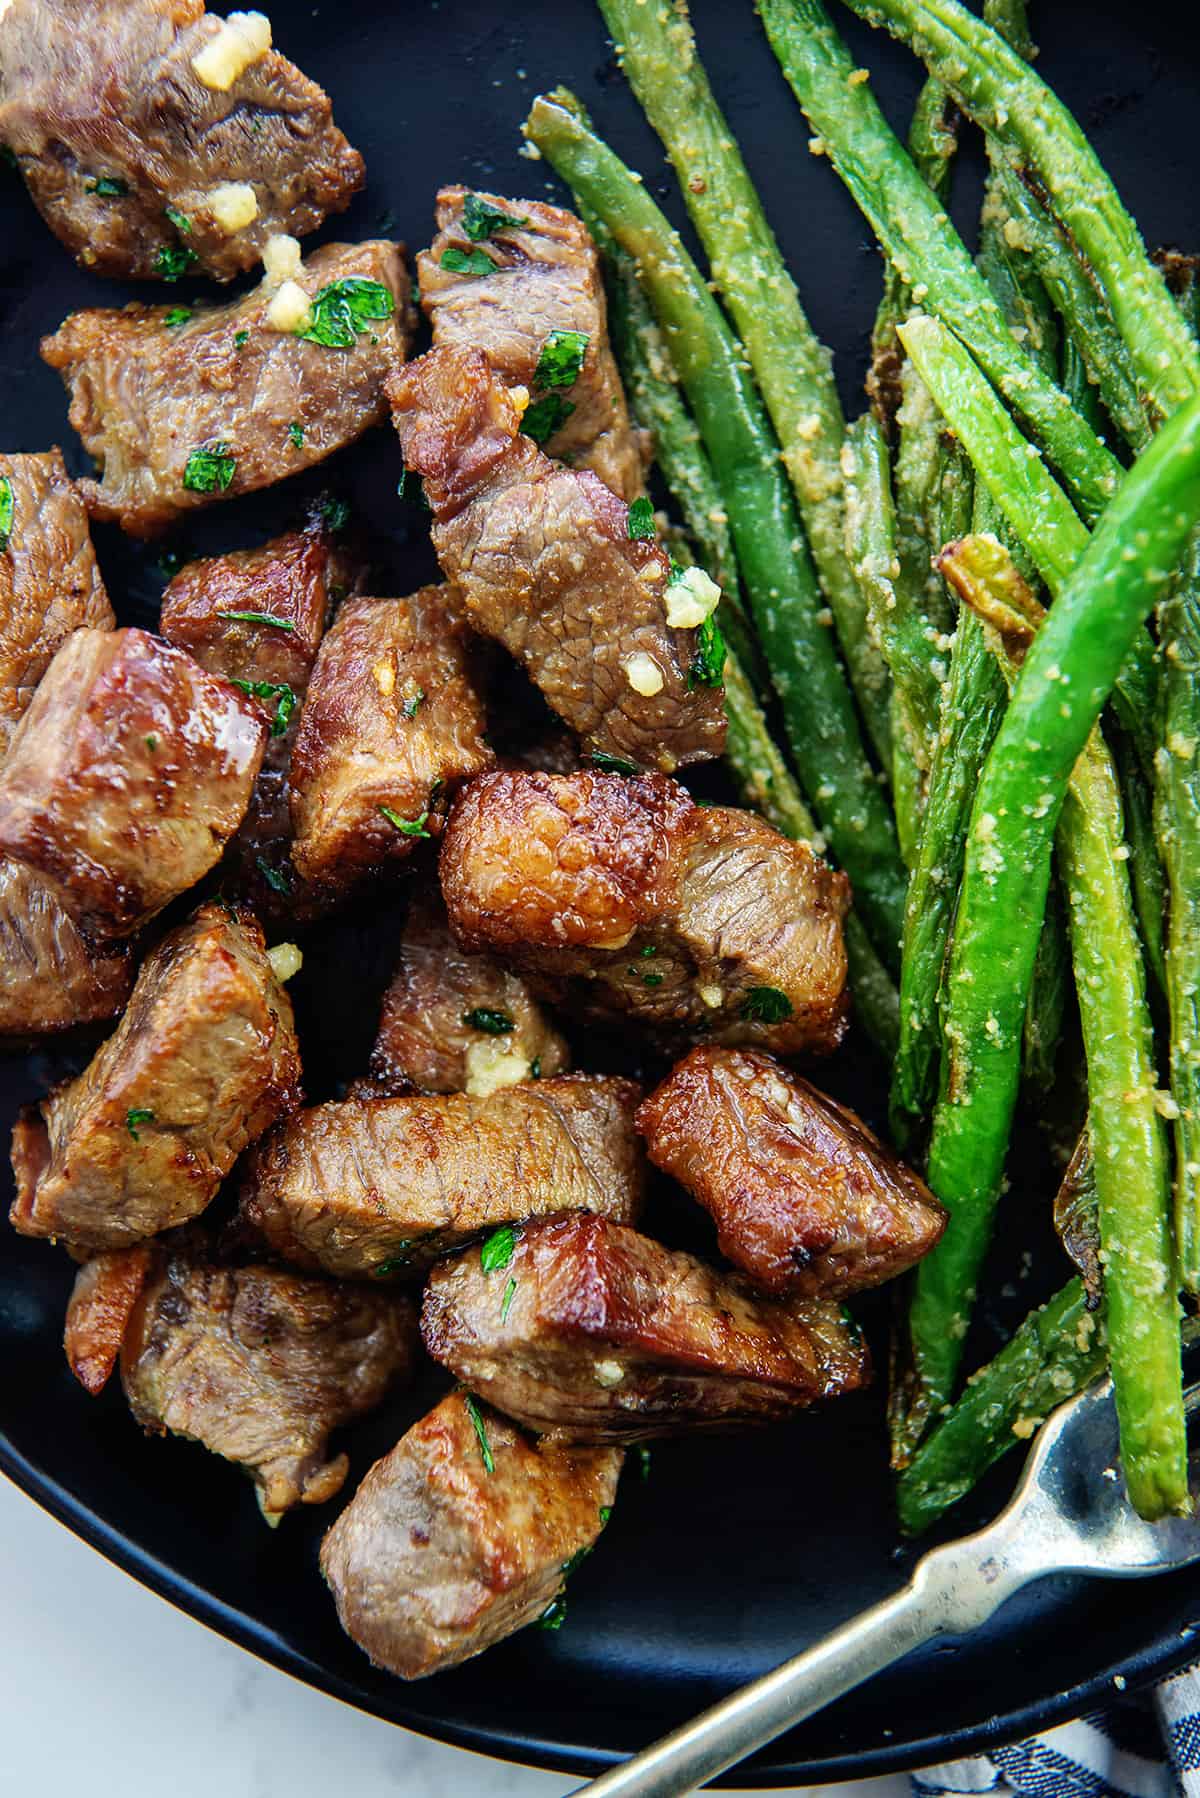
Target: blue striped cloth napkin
<point>1143,1747</point>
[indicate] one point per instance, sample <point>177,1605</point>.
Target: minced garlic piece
<point>291,309</point>
<point>286,960</point>
<point>240,40</point>
<point>712,996</point>
<point>643,674</point>
<point>690,599</point>
<point>491,1066</point>
<point>520,399</point>
<point>1024,1427</point>
<point>281,259</point>
<point>608,1373</point>
<point>384,673</point>
<point>233,205</point>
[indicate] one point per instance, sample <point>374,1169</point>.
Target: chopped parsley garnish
<point>535,1068</point>
<point>652,979</point>
<point>561,359</point>
<point>554,1615</point>
<point>400,1259</point>
<point>498,1249</point>
<point>851,1323</point>
<point>708,662</point>
<point>481,221</point>
<point>240,339</point>
<point>612,764</point>
<point>296,435</point>
<point>467,262</point>
<point>173,260</point>
<point>485,1447</point>
<point>334,512</point>
<point>647,952</point>
<point>267,689</point>
<point>644,1458</point>
<point>177,315</point>
<point>546,416</point>
<point>274,877</point>
<point>109,187</point>
<point>605,1513</point>
<point>492,1023</point>
<point>210,470</point>
<point>412,827</point>
<point>180,220</point>
<point>766,1005</point>
<point>510,1292</point>
<point>133,1117</point>
<point>641,519</point>
<point>342,312</point>
<point>152,743</point>
<point>413,703</point>
<point>271,618</point>
<point>7,509</point>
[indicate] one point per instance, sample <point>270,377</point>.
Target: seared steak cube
<point>384,1186</point>
<point>805,1198</point>
<point>215,608</point>
<point>440,1553</point>
<point>622,895</point>
<point>453,1022</point>
<point>180,415</point>
<point>52,976</point>
<point>603,1335</point>
<point>541,316</point>
<point>203,1061</point>
<point>391,726</point>
<point>126,777</point>
<point>258,1364</point>
<point>545,563</point>
<point>50,584</point>
<point>257,617</point>
<point>107,1291</point>
<point>156,138</point>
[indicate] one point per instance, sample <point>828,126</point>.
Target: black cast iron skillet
<point>731,1555</point>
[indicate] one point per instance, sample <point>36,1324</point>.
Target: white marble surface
<point>107,1688</point>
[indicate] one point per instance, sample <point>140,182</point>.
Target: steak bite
<point>215,609</point>
<point>453,1022</point>
<point>542,318</point>
<point>234,399</point>
<point>623,895</point>
<point>391,726</point>
<point>52,977</point>
<point>384,1186</point>
<point>440,1554</point>
<point>545,563</point>
<point>203,1061</point>
<point>156,138</point>
<point>258,1364</point>
<point>602,1335</point>
<point>805,1198</point>
<point>50,583</point>
<point>126,777</point>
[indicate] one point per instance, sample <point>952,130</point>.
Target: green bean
<point>767,783</point>
<point>1129,1150</point>
<point>1067,676</point>
<point>1087,320</point>
<point>932,144</point>
<point>1001,92</point>
<point>1079,387</point>
<point>1177,816</point>
<point>919,239</point>
<point>1047,1006</point>
<point>1145,865</point>
<point>1058,1350</point>
<point>1027,494</point>
<point>923,452</point>
<point>972,707</point>
<point>781,586</point>
<point>793,369</point>
<point>895,614</point>
<point>653,390</point>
